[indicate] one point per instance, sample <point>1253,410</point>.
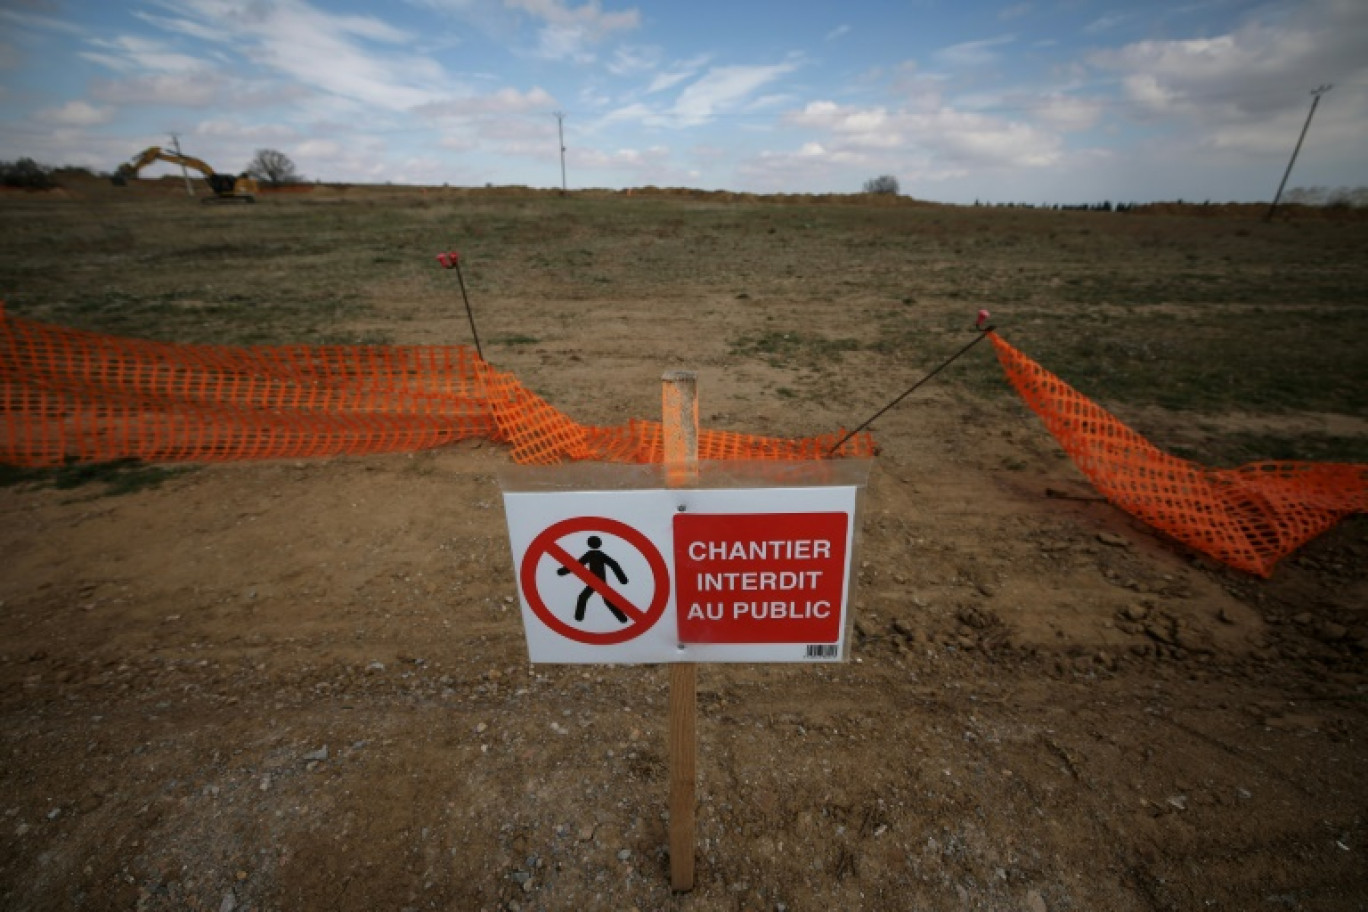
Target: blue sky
<point>1033,101</point>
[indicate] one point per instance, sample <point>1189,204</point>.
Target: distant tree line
<point>1329,197</point>
<point>26,173</point>
<point>1320,197</point>
<point>268,166</point>
<point>1104,206</point>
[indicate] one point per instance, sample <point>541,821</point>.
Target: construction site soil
<point>304,685</point>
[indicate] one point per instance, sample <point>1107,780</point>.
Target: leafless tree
<point>885,183</point>
<point>273,167</point>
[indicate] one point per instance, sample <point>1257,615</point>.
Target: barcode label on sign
<point>819,651</point>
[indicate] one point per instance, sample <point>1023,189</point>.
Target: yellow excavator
<point>226,187</point>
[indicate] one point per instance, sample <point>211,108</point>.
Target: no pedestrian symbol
<point>587,598</point>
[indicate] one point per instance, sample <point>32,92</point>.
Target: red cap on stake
<point>982,318</point>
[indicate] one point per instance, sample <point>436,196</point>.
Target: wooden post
<point>679,406</point>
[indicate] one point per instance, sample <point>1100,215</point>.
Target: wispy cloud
<point>1015,11</point>
<point>338,54</point>
<point>973,53</point>
<point>677,73</point>
<point>962,138</point>
<point>191,90</point>
<point>839,31</point>
<point>568,33</point>
<point>1107,23</point>
<point>136,54</point>
<point>77,114</point>
<point>722,88</point>
<point>502,101</point>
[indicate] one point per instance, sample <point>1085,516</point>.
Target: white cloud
<point>191,90</point>
<point>629,59</point>
<point>503,101</point>
<point>970,54</point>
<point>678,72</point>
<point>1015,11</point>
<point>1106,23</point>
<point>39,23</point>
<point>332,53</point>
<point>629,113</point>
<point>77,114</point>
<point>838,32</point>
<point>246,133</point>
<point>318,148</point>
<point>1247,65</point>
<point>568,32</point>
<point>1069,112</point>
<point>959,138</point>
<point>722,88</point>
<point>135,54</point>
<point>1237,91</point>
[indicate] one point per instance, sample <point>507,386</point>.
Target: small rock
<point>1137,612</point>
<point>375,667</point>
<point>625,855</point>
<point>1035,902</point>
<point>1178,802</point>
<point>586,832</point>
<point>1159,632</point>
<point>1331,632</point>
<point>229,902</point>
<point>320,755</point>
<point>481,728</point>
<point>1114,541</point>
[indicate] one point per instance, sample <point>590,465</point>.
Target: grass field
<point>1184,314</point>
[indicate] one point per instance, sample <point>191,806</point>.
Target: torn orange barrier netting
<point>73,396</point>
<point>1248,517</point>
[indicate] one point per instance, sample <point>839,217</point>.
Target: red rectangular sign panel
<point>760,577</point>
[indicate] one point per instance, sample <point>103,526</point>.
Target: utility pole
<point>560,131</point>
<point>1315,100</point>
<point>175,144</point>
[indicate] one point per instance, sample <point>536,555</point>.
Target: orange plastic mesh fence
<point>68,395</point>
<point>1248,517</point>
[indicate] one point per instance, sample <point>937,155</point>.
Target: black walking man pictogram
<point>597,563</point>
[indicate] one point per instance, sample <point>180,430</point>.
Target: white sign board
<point>684,574</point>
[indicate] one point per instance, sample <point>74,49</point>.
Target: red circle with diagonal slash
<point>547,544</point>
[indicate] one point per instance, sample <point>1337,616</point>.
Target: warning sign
<point>645,575</point>
<point>760,578</point>
<point>596,576</point>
